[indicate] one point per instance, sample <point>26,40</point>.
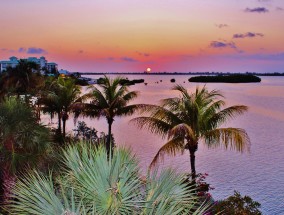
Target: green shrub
<point>93,183</point>
<point>237,205</point>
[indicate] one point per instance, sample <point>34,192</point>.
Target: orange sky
<point>129,36</point>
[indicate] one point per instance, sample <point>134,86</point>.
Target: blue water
<point>259,174</point>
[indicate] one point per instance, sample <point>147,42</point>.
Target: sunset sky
<point>131,35</point>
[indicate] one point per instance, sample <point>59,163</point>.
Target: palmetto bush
<point>92,183</point>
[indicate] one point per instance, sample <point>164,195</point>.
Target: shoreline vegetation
<point>233,78</point>
<point>30,151</point>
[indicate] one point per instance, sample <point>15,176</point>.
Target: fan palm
<point>91,183</point>
<point>190,118</point>
<point>110,100</point>
<point>23,142</point>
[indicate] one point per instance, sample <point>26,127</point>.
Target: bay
<point>258,173</point>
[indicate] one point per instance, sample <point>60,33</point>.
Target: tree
<point>23,142</point>
<point>190,118</point>
<point>93,183</point>
<point>23,79</point>
<point>237,205</point>
<point>60,97</point>
<point>110,100</point>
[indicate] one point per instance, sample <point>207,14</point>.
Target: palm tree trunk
<point>192,149</point>
<point>109,145</point>
<point>192,163</point>
<point>63,126</point>
<point>59,122</point>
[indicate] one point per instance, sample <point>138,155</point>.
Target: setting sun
<point>148,69</point>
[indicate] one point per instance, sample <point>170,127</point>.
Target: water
<point>259,174</point>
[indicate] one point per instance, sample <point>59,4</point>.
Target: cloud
<point>81,51</point>
<point>263,0</point>
<point>274,57</point>
<point>143,54</point>
<point>248,34</point>
<point>31,50</point>
<point>279,8</point>
<point>260,57</point>
<point>222,25</point>
<point>225,44</point>
<point>257,10</point>
<point>34,50</point>
<point>21,50</point>
<point>219,44</point>
<point>7,50</point>
<point>128,59</point>
<point>124,59</point>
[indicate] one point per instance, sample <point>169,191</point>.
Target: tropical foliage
<point>92,183</point>
<point>92,179</point>
<point>23,142</point>
<point>24,79</point>
<point>237,205</point>
<point>59,98</point>
<point>110,100</point>
<point>190,118</point>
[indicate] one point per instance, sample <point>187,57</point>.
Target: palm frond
<point>232,138</point>
<point>167,193</point>
<point>182,130</point>
<point>112,184</point>
<point>224,115</point>
<point>93,183</point>
<point>182,90</point>
<point>130,96</point>
<point>172,147</point>
<point>36,194</point>
<point>154,125</point>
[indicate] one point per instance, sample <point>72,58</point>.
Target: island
<point>232,78</point>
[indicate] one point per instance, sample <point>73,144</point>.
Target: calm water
<point>259,174</point>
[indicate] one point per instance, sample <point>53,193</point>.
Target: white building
<point>42,62</point>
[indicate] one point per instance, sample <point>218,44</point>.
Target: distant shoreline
<point>178,73</point>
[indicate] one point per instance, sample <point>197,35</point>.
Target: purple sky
<point>129,36</point>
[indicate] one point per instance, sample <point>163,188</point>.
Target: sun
<point>148,69</point>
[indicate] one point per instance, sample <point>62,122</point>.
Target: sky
<point>131,35</point>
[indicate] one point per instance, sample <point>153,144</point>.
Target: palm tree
<point>109,101</point>
<point>23,142</point>
<point>93,183</point>
<point>23,79</point>
<point>190,118</point>
<point>61,95</point>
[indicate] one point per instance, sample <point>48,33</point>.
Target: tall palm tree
<point>60,97</point>
<point>190,118</point>
<point>111,99</point>
<point>23,142</point>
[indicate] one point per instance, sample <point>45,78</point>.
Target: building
<point>42,62</point>
<point>63,72</point>
<point>8,63</point>
<point>51,67</point>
